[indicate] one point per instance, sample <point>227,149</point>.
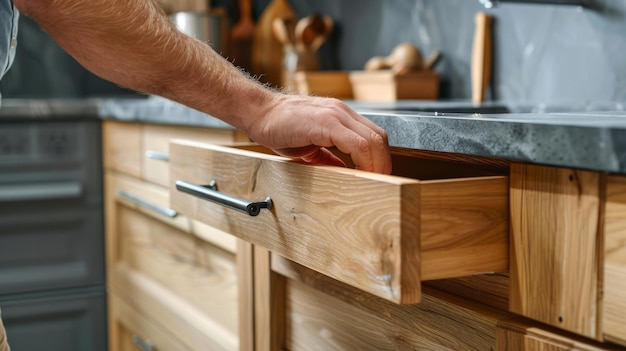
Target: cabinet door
<point>167,273</point>
<point>56,323</point>
<point>383,234</point>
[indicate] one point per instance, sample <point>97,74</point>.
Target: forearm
<point>128,42</point>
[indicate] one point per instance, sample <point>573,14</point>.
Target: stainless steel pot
<point>209,27</point>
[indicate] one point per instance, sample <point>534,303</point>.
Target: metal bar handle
<point>143,345</point>
<point>158,155</point>
<point>41,191</point>
<point>168,212</point>
<point>209,192</point>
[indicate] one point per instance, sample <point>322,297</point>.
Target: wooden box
<point>324,83</point>
<point>384,86</point>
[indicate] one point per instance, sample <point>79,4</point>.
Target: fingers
<point>366,142</point>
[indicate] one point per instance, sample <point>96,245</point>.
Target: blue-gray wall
<point>543,53</point>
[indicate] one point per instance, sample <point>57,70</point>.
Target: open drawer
<point>383,234</point>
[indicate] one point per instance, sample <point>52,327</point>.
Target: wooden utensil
<point>481,57</point>
<point>241,37</point>
<point>267,51</point>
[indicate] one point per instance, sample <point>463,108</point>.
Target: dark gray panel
<point>69,323</point>
<point>50,248</point>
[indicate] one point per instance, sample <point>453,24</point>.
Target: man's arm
<point>133,44</point>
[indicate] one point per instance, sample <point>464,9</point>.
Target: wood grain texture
<point>128,322</point>
<point>172,313</point>
<point>554,254</point>
<point>523,335</point>
<point>121,147</point>
<point>157,138</point>
<point>488,289</point>
<point>269,304</point>
<point>245,279</point>
<point>163,254</point>
<point>351,319</point>
<point>614,304</point>
<point>361,228</point>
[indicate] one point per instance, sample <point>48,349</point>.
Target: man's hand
<point>301,127</point>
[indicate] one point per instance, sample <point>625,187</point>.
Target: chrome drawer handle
<point>143,345</point>
<point>158,155</point>
<point>209,192</point>
<point>168,212</point>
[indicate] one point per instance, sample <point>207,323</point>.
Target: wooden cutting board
<point>267,51</point>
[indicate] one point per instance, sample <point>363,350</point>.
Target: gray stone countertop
<point>584,136</point>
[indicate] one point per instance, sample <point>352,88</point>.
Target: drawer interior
<point>421,165</point>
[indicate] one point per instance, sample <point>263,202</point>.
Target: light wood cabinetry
<point>172,282</point>
<point>452,252</point>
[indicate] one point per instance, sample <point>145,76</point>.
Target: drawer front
<point>165,253</point>
<point>382,234</point>
<point>353,320</point>
<point>129,330</point>
<point>614,316</point>
<point>121,149</point>
<point>155,146</point>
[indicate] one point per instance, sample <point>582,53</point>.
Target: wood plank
<point>614,316</point>
<point>269,304</point>
<point>523,335</point>
<point>355,320</point>
<point>127,322</point>
<point>323,215</point>
<point>464,227</point>
<point>245,279</point>
<point>554,255</point>
<point>121,149</point>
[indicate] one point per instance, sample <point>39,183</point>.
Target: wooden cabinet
<point>221,245</point>
<point>173,283</point>
<point>568,261</point>
<point>381,234</point>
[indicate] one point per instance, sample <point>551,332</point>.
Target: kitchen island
<point>550,191</point>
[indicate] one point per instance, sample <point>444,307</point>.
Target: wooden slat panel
<point>554,264</point>
<point>358,227</point>
<point>614,316</point>
<point>121,150</point>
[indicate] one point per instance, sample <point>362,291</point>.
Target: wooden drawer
<point>132,331</point>
<point>155,146</point>
<point>141,150</point>
<point>382,234</point>
<point>160,267</point>
<point>353,320</point>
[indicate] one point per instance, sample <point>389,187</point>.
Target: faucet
<point>493,3</point>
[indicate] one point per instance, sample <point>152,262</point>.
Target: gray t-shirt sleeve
<point>8,34</point>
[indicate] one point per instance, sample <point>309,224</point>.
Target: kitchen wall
<point>544,54</point>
